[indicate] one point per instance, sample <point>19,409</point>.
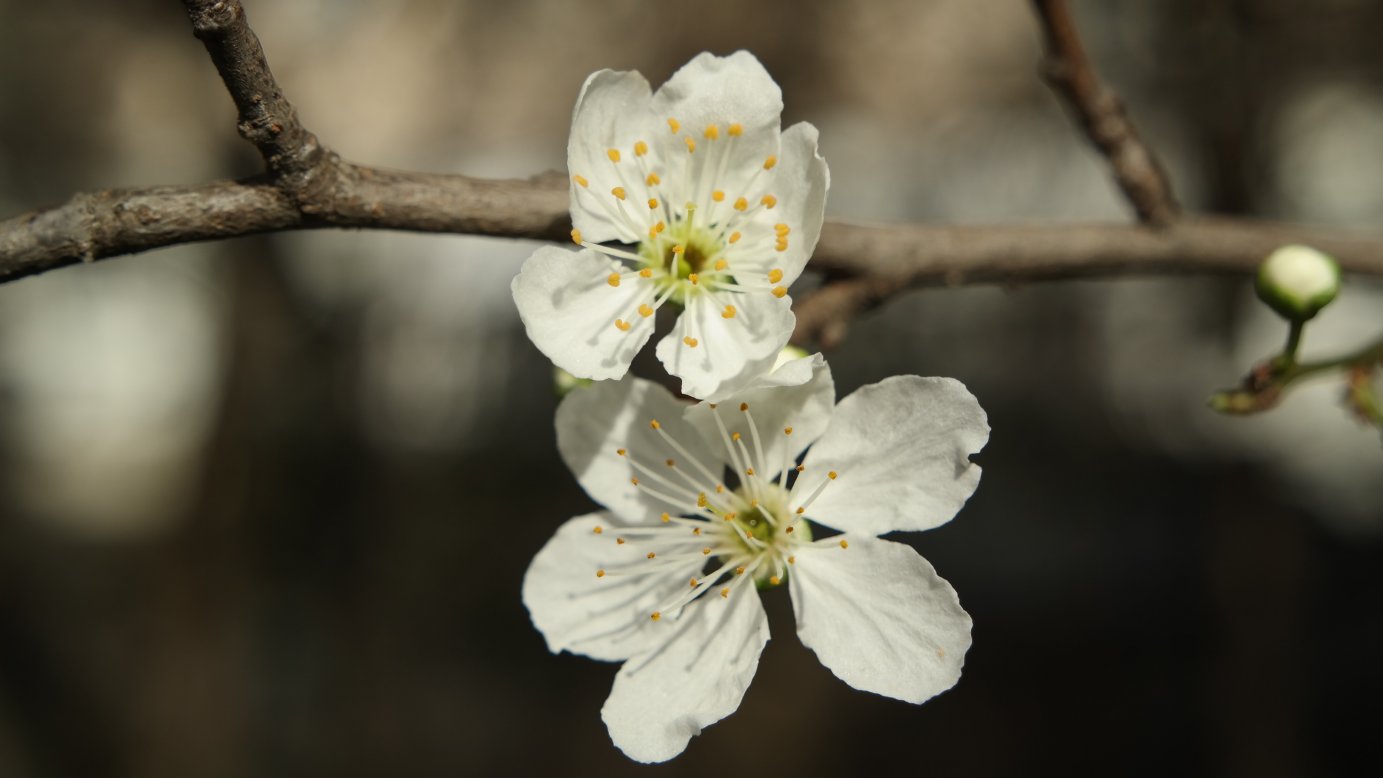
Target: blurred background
<point>265,504</point>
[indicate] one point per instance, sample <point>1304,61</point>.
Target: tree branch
<point>1102,116</point>
<point>308,187</point>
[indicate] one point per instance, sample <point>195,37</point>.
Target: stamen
<point>581,181</point>
<point>736,129</point>
<point>768,201</point>
<point>646,273</point>
<point>576,236</point>
<point>729,312</point>
<point>613,154</point>
<point>735,236</point>
<point>666,518</point>
<point>741,204</point>
<point>600,574</point>
<point>674,125</point>
<point>721,264</point>
<point>844,544</point>
<point>694,278</point>
<point>618,192</point>
<point>775,275</point>
<point>718,196</point>
<point>640,148</point>
<point>781,229</point>
<point>691,144</point>
<point>598,529</point>
<point>646,310</point>
<point>622,325</point>
<point>712,132</point>
<point>613,279</point>
<point>690,341</point>
<point>780,291</point>
<point>652,203</point>
<point>653,179</point>
<point>770,162</point>
<point>657,615</point>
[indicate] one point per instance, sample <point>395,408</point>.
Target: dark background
<point>265,505</point>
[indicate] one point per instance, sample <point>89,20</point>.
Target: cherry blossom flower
<point>705,505</point>
<point>716,213</point>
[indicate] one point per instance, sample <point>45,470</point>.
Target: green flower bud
<point>1297,282</point>
<point>563,382</point>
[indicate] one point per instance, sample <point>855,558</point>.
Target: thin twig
<point>1102,116</point>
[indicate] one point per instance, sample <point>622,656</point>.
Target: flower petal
<point>879,617</point>
<point>594,423</point>
<point>612,112</point>
<point>570,310</point>
<point>602,617</point>
<point>901,448</point>
<point>696,677</point>
<point>775,405</point>
<point>801,185</point>
<point>722,91</point>
<point>740,347</point>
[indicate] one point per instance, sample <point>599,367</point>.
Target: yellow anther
<point>731,516</point>
<point>780,291</point>
<point>679,249</point>
<point>656,615</point>
<point>693,583</point>
<point>690,341</point>
<point>701,500</point>
<point>619,192</point>
<point>613,279</point>
<point>720,488</point>
<point>653,179</point>
<point>613,154</point>
<point>622,325</point>
<point>735,129</point>
<point>801,511</point>
<point>576,237</point>
<point>741,204</point>
<point>718,196</point>
<point>844,544</point>
<point>749,471</point>
<point>768,200</point>
<point>781,229</point>
<point>646,310</point>
<point>599,529</point>
<point>792,560</point>
<point>694,278</point>
<point>789,530</point>
<point>753,503</point>
<point>669,463</point>
<point>773,580</point>
<point>600,574</point>
<point>800,468</point>
<point>735,236</point>
<point>634,480</point>
<point>744,407</point>
<point>831,475</point>
<point>734,436</point>
<point>706,551</point>
<point>619,541</point>
<point>660,227</point>
<point>620,451</point>
<point>775,275</point>
<point>725,592</point>
<point>770,162</point>
<point>691,144</point>
<point>652,555</point>
<point>780,246</point>
<point>646,273</point>
<point>729,312</point>
<point>666,518</point>
<point>652,203</point>
<point>739,571</point>
<point>787,430</point>
<point>654,424</point>
<point>674,125</point>
<point>712,132</point>
<point>696,530</point>
<point>581,180</point>
<point>652,235</point>
<point>640,148</point>
<point>721,264</point>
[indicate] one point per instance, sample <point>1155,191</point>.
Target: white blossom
<point>715,212</point>
<point>707,504</point>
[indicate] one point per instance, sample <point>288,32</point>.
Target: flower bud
<point>563,382</point>
<point>1297,282</point>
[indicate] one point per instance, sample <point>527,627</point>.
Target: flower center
<point>720,537</point>
<point>693,239</point>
